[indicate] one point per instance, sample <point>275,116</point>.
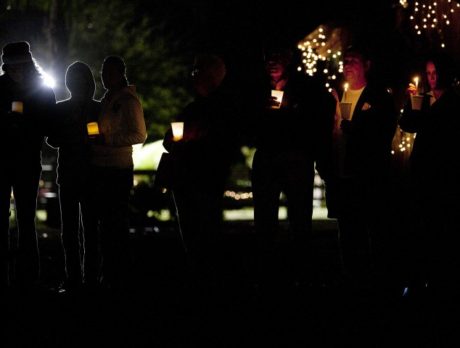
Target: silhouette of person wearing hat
<point>25,108</point>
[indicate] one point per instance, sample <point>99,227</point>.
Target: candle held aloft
<point>17,106</point>
<point>177,130</point>
<point>93,128</point>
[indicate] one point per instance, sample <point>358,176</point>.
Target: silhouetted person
<point>292,137</point>
<point>121,125</point>
<point>25,108</point>
<point>202,161</point>
<point>363,140</point>
<point>72,141</point>
<point>434,174</point>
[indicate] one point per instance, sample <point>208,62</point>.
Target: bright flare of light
<point>48,80</point>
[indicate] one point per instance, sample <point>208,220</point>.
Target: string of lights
<point>321,53</point>
<point>433,17</point>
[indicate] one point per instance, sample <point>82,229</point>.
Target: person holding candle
<point>432,163</point>
<point>121,125</point>
<point>72,141</point>
<point>26,106</point>
<point>201,157</point>
<point>291,140</point>
<point>363,147</point>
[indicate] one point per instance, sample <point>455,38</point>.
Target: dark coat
<point>23,134</point>
<point>434,158</point>
<point>70,137</point>
<point>369,139</point>
<point>303,124</point>
<point>203,157</point>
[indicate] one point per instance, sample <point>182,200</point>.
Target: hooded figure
<point>26,107</point>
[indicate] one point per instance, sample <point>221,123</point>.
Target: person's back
<point>70,137</point>
<point>25,107</point>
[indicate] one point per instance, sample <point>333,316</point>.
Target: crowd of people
<point>95,167</point>
<point>296,127</point>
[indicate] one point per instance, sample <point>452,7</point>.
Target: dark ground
<point>160,308</point>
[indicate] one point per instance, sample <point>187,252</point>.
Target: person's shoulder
<point>128,95</point>
<point>62,104</point>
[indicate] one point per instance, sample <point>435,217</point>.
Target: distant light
<point>48,80</point>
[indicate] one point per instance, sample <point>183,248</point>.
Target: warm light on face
<point>431,75</point>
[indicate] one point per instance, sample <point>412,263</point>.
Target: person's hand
<point>15,115</point>
<point>335,95</point>
<point>273,103</point>
<point>411,89</point>
<point>345,126</point>
<point>96,139</point>
<point>15,119</point>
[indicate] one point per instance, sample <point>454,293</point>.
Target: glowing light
<point>324,54</point>
<point>433,18</point>
<point>48,80</point>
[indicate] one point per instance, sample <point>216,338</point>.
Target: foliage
<point>88,31</point>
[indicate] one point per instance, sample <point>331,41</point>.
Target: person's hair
<point>357,50</point>
<point>32,70</point>
<point>119,64</point>
<point>84,71</point>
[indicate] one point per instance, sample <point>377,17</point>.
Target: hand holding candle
<point>177,130</point>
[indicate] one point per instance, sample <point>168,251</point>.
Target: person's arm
<point>133,130</point>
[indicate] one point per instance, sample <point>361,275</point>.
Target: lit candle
<point>17,106</point>
<point>278,97</point>
<point>345,89</point>
<point>93,128</point>
<point>177,130</point>
<point>416,83</point>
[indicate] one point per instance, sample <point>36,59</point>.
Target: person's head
<point>208,73</point>
<point>17,60</point>
<point>356,65</point>
<point>438,72</point>
<point>79,80</point>
<point>114,73</point>
<point>277,61</point>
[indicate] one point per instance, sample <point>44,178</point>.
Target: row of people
<point>347,138</point>
<point>307,129</point>
<point>95,174</point>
